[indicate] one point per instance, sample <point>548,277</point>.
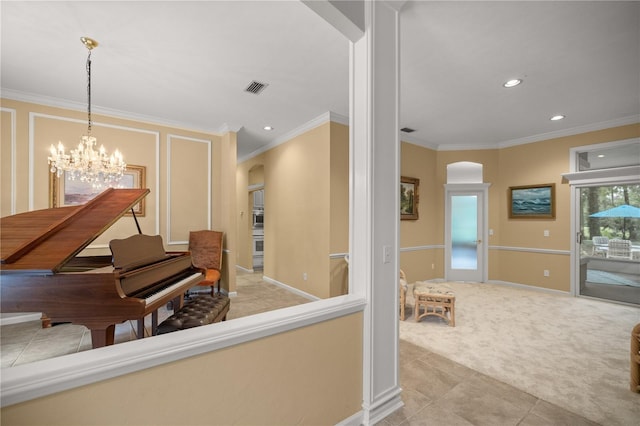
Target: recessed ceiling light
<point>512,83</point>
<point>268,128</point>
<point>601,156</point>
<point>557,117</point>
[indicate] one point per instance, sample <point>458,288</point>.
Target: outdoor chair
<point>600,246</point>
<point>619,249</point>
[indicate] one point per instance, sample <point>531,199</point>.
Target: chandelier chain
<point>89,93</point>
<point>87,163</point>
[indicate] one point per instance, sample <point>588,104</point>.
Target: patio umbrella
<point>624,211</point>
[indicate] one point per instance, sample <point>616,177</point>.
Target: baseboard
<point>510,284</point>
<point>355,420</point>
<point>387,407</point>
<point>289,288</point>
<point>249,271</point>
<point>529,287</point>
<point>375,415</point>
<point>17,318</point>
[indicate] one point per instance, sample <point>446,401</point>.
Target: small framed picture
<point>532,201</point>
<point>65,191</point>
<point>409,198</point>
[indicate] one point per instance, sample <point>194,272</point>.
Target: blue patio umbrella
<point>624,211</point>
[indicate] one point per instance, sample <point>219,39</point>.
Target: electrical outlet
<point>546,272</point>
<point>546,232</point>
<point>304,276</point>
<point>433,266</point>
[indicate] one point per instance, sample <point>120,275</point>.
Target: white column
<point>374,191</point>
<point>375,218</point>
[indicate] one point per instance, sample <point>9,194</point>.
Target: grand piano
<point>41,271</point>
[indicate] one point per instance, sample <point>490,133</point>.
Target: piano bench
<point>201,310</point>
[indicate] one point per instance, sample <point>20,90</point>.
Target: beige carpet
<point>572,352</point>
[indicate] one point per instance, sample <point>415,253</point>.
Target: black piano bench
<point>200,310</point>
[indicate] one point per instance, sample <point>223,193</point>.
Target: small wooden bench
<point>201,310</point>
<point>435,299</point>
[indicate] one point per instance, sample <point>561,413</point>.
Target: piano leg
<point>154,325</point>
<point>102,336</point>
<point>46,321</point>
<point>154,322</point>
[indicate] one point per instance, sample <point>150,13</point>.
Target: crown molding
<point>17,95</point>
<point>624,121</point>
<point>309,125</point>
<point>632,119</point>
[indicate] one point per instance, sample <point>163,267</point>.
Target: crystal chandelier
<point>86,163</point>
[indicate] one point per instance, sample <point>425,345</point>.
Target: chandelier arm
<point>86,163</point>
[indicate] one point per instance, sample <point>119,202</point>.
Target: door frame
<point>483,190</point>
<point>577,182</point>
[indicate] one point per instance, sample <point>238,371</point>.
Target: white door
<point>465,239</point>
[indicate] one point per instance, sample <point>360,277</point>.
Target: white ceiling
<point>188,63</point>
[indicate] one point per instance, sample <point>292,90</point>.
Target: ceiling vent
<point>255,87</point>
<point>407,130</point>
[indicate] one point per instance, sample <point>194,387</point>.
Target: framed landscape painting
<point>409,198</point>
<point>65,191</point>
<point>532,201</point>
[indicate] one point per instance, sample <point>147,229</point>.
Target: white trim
<point>29,381</point>
<point>530,287</point>
<point>208,142</point>
<point>249,271</point>
<point>20,317</point>
<point>338,255</point>
<point>125,115</point>
<point>289,288</point>
<point>573,152</point>
<point>632,119</point>
<point>34,115</point>
<point>12,184</point>
<point>624,121</point>
<point>577,180</point>
<point>310,125</point>
<point>419,248</point>
<point>461,188</point>
<point>604,176</point>
<point>355,420</point>
<point>531,250</point>
<point>255,187</point>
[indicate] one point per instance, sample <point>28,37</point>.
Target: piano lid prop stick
<point>136,219</point>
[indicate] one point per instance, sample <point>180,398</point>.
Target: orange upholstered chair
<point>206,254</point>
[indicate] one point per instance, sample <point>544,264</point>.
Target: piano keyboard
<point>190,280</point>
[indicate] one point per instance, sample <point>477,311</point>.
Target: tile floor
<point>436,391</point>
<point>28,342</point>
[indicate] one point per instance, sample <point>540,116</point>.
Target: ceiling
<point>187,64</point>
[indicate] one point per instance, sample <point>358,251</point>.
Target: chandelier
<point>86,163</point>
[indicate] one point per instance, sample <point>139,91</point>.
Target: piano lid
<point>44,240</point>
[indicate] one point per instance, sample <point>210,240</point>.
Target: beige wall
<point>539,163</point>
<point>339,208</point>
<point>178,201</point>
<point>306,210</point>
<point>421,256</point>
<point>529,164</point>
<point>314,376</point>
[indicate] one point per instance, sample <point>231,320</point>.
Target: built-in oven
<point>258,218</point>
<point>258,248</point>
